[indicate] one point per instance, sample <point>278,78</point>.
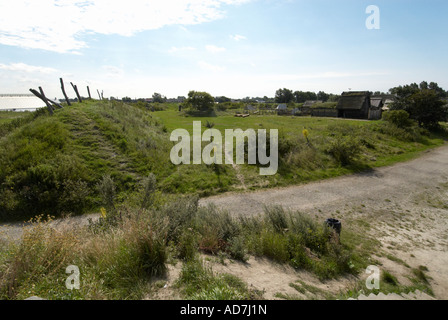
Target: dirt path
<point>405,207</point>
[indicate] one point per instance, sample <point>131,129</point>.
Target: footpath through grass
<point>53,164</point>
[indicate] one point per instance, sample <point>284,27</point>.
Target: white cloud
<point>210,67</point>
<point>214,49</point>
<point>238,37</point>
<point>58,25</point>
<point>22,67</point>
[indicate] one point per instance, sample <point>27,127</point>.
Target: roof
<point>376,102</point>
<point>353,100</point>
<point>309,103</point>
<point>282,106</point>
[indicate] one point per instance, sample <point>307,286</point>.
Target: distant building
<point>282,107</point>
<point>376,108</point>
<point>354,105</point>
<point>310,103</point>
<point>296,111</point>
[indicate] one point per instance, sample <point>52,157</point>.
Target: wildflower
<point>305,133</point>
<point>103,213</point>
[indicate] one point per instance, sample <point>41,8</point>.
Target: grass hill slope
<point>53,164</point>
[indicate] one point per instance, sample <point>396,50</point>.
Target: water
<point>20,102</point>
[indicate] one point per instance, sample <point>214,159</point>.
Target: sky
<point>233,48</point>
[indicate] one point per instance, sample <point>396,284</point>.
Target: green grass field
<point>52,164</point>
<point>99,154</point>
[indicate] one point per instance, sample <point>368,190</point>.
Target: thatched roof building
<point>310,103</point>
<point>354,104</point>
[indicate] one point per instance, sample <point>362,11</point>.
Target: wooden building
<point>354,105</point>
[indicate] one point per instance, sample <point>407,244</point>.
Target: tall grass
<point>119,254</point>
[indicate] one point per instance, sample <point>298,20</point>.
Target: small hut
<point>376,108</point>
<point>354,105</point>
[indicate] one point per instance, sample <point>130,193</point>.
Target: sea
<point>20,102</point>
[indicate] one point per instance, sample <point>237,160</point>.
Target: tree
<point>323,96</point>
<point>427,108</point>
<point>422,102</point>
<point>157,97</point>
<point>200,101</point>
<point>284,96</point>
<point>301,96</point>
<point>222,99</point>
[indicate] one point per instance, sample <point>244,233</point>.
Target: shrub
<point>107,190</point>
<point>344,149</point>
<point>187,246</point>
<point>74,198</point>
<point>237,249</point>
<point>148,186</point>
<point>276,216</point>
<point>179,215</point>
<point>399,118</point>
<point>42,252</point>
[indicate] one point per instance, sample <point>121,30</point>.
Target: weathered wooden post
<point>76,91</point>
<point>42,96</point>
<point>63,91</point>
<point>99,95</point>
<point>50,108</point>
<point>88,91</point>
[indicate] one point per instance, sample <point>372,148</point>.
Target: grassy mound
<point>54,164</point>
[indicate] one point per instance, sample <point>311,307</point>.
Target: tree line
<point>286,96</point>
<point>425,103</point>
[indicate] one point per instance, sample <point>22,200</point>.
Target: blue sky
<point>236,48</point>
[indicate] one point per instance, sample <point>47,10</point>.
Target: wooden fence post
<point>63,91</point>
<point>50,108</point>
<point>88,91</point>
<point>99,95</point>
<point>45,99</point>
<point>76,91</point>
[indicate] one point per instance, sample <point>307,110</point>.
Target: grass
<point>198,282</point>
<point>9,116</point>
<point>114,155</point>
<point>121,253</point>
<point>51,165</point>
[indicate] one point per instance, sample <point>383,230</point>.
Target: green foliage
<point>344,149</point>
<point>399,118</point>
<point>148,186</point>
<point>200,283</point>
<point>301,96</point>
<point>423,103</point>
<point>158,98</point>
<point>284,96</point>
<point>200,101</point>
<point>107,190</point>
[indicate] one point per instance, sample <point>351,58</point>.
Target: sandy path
<point>406,206</point>
<point>398,181</point>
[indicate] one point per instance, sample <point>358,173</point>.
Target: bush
<point>148,186</point>
<point>179,215</point>
<point>107,190</point>
<point>344,149</point>
<point>42,252</point>
<point>238,250</point>
<point>399,118</point>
